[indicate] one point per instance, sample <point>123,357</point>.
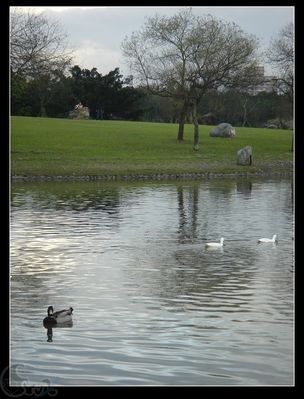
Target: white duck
<point>273,239</point>
<point>215,244</point>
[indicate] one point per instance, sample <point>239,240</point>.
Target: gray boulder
<point>223,130</point>
<point>244,156</point>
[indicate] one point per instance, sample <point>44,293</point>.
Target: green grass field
<point>63,147</point>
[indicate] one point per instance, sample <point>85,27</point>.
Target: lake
<point>153,305</point>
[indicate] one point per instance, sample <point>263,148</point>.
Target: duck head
<point>50,319</point>
<point>50,310</point>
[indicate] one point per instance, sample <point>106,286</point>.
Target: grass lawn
<point>64,147</point>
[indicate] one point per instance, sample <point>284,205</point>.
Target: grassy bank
<point>62,147</point>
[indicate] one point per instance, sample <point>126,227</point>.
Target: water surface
<point>152,305</point>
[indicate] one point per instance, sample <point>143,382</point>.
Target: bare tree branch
<point>281,56</point>
<point>36,43</point>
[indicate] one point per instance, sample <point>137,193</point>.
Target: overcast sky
<point>96,33</point>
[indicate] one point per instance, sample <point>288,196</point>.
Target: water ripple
<point>151,305</point>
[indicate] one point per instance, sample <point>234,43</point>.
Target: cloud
<point>39,9</point>
<point>96,33</point>
<point>89,54</point>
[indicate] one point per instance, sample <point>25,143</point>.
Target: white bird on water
<point>273,239</point>
<point>215,244</point>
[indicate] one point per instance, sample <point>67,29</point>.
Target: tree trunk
<point>42,110</point>
<point>42,106</point>
<point>182,117</point>
<point>180,134</point>
<point>292,139</point>
<point>244,112</point>
<point>196,127</point>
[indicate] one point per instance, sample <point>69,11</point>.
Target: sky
<point>95,33</point>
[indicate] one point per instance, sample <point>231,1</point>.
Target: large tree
<point>281,57</point>
<point>36,43</point>
<point>38,51</point>
<point>184,56</point>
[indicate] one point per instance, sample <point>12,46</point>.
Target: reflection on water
<point>153,306</point>
<point>49,333</point>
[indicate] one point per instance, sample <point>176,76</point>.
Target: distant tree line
<point>106,96</point>
<point>229,106</point>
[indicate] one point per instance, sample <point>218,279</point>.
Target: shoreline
<point>152,177</point>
